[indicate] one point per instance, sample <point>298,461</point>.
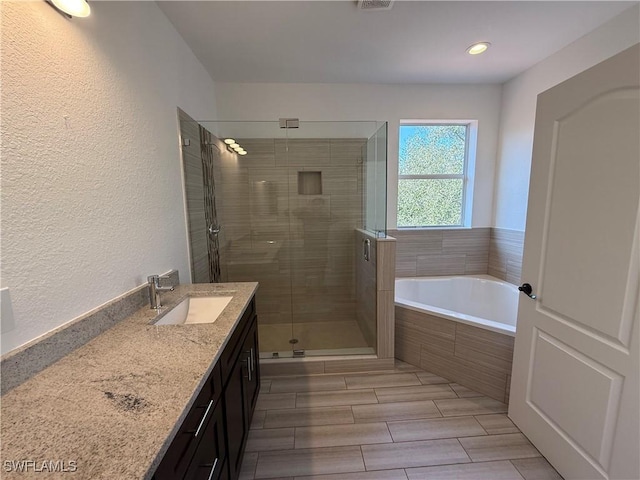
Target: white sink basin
<point>195,310</point>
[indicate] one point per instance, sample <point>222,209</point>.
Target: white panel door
<point>575,389</point>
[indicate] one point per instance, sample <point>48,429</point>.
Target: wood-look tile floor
<point>407,424</point>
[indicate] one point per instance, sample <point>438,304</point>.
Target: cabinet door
<point>208,461</point>
<point>178,457</point>
<point>252,379</point>
<point>237,414</point>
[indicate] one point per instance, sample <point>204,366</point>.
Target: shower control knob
<point>527,290</point>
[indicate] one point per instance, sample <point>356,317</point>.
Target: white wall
<point>391,103</point>
<point>91,186</point>
<point>517,115</point>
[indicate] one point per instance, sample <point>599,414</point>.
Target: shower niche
<point>289,210</point>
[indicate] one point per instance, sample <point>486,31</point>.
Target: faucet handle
<point>153,279</point>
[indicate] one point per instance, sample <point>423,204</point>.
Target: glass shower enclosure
<point>286,215</point>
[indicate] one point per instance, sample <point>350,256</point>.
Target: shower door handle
<point>214,230</point>
<point>367,249</point>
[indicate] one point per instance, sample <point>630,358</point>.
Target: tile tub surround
<point>441,251</point>
<point>22,363</point>
<point>473,357</point>
<point>402,424</point>
<point>505,254</point>
<point>460,251</point>
<point>114,404</point>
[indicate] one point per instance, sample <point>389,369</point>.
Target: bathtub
<point>479,300</point>
<point>459,328</point>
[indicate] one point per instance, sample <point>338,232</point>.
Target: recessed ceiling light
<point>478,48</point>
<point>229,141</point>
<point>75,8</point>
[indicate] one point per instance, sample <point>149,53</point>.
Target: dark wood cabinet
<point>241,394</point>
<point>208,463</point>
<point>210,442</point>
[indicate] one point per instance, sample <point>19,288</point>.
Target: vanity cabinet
<point>210,442</point>
<point>241,394</point>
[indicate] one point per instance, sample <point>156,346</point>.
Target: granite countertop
<point>113,405</point>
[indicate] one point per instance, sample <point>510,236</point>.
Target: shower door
<point>290,208</point>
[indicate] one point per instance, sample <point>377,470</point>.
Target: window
<point>433,174</point>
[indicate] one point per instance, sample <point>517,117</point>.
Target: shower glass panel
<point>375,172</point>
<point>288,210</point>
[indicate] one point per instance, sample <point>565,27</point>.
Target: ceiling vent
<point>375,4</point>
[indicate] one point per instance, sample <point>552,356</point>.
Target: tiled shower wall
<point>495,251</point>
<point>375,290</point>
<point>298,246</point>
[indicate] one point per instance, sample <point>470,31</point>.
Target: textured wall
<point>91,184</point>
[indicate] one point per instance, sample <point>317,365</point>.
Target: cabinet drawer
<point>234,348</point>
<point>176,461</point>
<point>209,460</point>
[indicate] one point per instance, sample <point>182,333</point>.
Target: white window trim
<point>468,176</point>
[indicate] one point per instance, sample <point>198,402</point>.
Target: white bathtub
<point>479,300</point>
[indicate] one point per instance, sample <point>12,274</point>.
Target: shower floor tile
<point>467,436</point>
<point>275,337</point>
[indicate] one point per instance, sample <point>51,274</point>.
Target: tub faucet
<point>155,289</point>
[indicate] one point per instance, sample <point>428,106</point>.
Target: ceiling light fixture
<point>478,48</point>
<point>229,141</point>
<point>71,8</point>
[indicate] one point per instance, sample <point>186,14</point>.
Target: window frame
<point>466,176</point>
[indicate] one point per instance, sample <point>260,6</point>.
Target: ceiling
<point>415,42</point>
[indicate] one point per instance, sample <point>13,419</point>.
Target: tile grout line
<point>255,467</point>
<point>440,411</point>
<point>516,467</point>
<point>465,451</point>
<point>363,462</point>
<point>393,440</point>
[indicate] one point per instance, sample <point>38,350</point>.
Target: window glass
<point>432,175</point>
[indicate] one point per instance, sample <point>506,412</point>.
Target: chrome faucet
<point>155,289</point>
